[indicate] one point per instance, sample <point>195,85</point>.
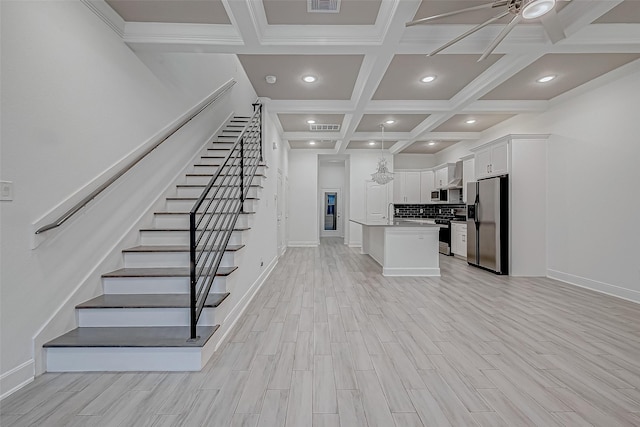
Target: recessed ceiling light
<point>428,79</point>
<point>372,143</point>
<point>312,143</point>
<point>546,79</point>
<point>537,8</point>
<point>432,143</point>
<point>309,79</point>
<point>389,122</point>
<point>470,121</point>
<point>270,79</point>
<point>311,122</point>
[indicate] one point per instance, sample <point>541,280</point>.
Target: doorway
<point>331,219</point>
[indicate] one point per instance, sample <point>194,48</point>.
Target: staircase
<point>143,321</point>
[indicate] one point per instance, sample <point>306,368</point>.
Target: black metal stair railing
<point>213,217</point>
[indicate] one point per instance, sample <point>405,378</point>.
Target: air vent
<point>324,127</point>
<point>323,6</point>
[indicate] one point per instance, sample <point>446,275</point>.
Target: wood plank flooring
<point>329,341</point>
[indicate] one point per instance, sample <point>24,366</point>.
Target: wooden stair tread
<point>186,229</point>
<point>187,213</point>
<point>149,301</point>
<point>173,248</point>
<point>209,198</point>
<point>162,272</point>
<point>149,336</point>
<point>204,185</point>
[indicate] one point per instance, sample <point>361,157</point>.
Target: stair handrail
<point>161,138</point>
<point>223,199</point>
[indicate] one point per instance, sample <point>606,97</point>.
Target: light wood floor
<point>329,341</point>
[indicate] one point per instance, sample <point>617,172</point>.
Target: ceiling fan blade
<point>510,26</point>
<point>471,31</point>
<point>552,26</point>
<point>455,12</point>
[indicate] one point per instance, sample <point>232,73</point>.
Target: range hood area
<point>456,181</point>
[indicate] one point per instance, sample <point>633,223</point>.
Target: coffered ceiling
<point>368,66</point>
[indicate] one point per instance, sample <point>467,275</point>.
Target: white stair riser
<point>211,168</point>
<point>156,237</point>
<point>197,191</point>
<point>169,259</point>
<point>87,359</point>
<point>106,317</point>
<point>250,205</point>
<point>208,173</point>
<point>159,285</point>
<point>182,221</point>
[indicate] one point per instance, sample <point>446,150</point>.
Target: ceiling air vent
<point>324,127</point>
<point>323,6</point>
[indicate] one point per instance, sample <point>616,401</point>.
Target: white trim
<point>303,244</point>
<point>355,244</point>
<point>16,378</point>
<point>594,285</point>
<point>419,272</point>
<point>103,11</point>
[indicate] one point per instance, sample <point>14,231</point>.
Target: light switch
<point>6,190</point>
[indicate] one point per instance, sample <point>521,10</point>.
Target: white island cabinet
<point>402,248</point>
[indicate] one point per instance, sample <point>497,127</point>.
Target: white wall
<point>592,182</point>
<point>414,161</point>
<point>190,75</point>
<point>77,105</point>
<point>361,165</point>
<point>303,198</point>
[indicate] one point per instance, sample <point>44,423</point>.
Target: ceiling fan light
<point>537,8</point>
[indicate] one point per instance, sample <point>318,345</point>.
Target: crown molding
<point>109,16</point>
<point>156,32</point>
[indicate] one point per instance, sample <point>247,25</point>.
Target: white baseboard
<point>594,285</point>
<point>410,272</point>
<point>355,245</point>
<point>303,244</point>
<point>16,378</point>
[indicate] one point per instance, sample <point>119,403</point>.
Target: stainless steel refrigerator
<point>488,224</point>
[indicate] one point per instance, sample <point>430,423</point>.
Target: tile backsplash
<point>429,211</point>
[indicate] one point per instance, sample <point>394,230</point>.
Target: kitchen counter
<point>402,247</point>
<point>400,222</point>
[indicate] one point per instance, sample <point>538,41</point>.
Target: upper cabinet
<point>492,160</point>
<point>426,186</point>
<point>406,187</point>
<point>444,175</point>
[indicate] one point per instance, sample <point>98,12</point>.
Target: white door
<point>375,202</point>
<point>331,219</point>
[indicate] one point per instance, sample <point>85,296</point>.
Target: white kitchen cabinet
<point>444,174</point>
<point>492,160</point>
<point>427,181</point>
<point>468,175</point>
<point>406,187</point>
<point>459,239</point>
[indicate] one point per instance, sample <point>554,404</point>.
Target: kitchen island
<point>402,247</point>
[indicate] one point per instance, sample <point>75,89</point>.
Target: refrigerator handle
<point>477,217</point>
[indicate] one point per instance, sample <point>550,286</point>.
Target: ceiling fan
<point>521,9</point>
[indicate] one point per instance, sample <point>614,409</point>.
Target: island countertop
<point>396,223</point>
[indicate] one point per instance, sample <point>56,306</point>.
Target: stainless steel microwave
<point>439,196</point>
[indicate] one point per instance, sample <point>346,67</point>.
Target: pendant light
<point>382,176</point>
